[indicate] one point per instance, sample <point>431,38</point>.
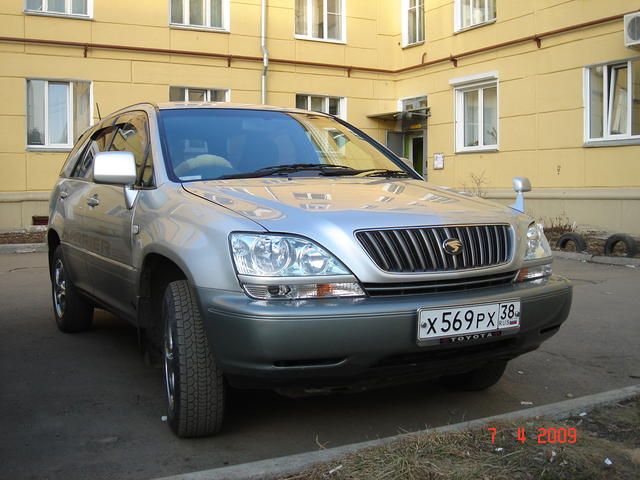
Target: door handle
<point>93,201</point>
<point>63,194</point>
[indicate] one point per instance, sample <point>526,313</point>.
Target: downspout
<point>265,52</point>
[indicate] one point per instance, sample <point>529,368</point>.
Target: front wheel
<point>478,379</point>
<point>73,312</point>
<point>194,382</point>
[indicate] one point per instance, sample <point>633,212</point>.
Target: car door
<point>108,222</point>
<point>72,193</point>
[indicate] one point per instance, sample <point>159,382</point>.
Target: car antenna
<point>98,110</point>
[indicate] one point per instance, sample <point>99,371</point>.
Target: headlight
<point>282,256</point>
<point>537,244</point>
<point>266,257</point>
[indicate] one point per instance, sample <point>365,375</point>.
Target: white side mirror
<point>520,185</point>
<point>114,168</point>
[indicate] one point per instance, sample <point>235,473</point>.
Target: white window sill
<point>324,40</point>
<point>201,28</point>
<point>612,142</point>
<point>75,16</point>
<point>489,149</point>
<point>473,27</point>
<point>49,148</point>
<point>415,44</point>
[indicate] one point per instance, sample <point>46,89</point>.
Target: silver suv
<point>280,248</point>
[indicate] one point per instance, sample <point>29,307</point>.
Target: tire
<point>72,311</point>
<point>629,243</point>
<point>194,383</point>
<point>479,379</point>
<point>575,238</point>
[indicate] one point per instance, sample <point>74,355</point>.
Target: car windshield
<point>211,144</point>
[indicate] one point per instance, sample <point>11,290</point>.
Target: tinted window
<point>205,144</point>
<point>99,142</point>
<point>132,136</point>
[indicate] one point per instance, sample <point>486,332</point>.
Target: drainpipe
<point>265,52</point>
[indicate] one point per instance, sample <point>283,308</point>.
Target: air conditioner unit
<point>632,30</point>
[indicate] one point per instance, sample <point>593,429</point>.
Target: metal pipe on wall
<point>265,52</point>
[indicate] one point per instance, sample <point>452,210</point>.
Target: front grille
<point>414,250</point>
<point>439,286</point>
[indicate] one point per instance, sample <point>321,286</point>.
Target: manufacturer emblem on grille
<point>452,246</point>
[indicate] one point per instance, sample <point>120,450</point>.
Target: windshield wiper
<point>369,172</point>
<point>294,167</point>
<point>384,172</point>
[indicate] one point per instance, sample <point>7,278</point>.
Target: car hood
<point>346,204</point>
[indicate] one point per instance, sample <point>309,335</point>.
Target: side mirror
<point>520,185</point>
<point>114,168</point>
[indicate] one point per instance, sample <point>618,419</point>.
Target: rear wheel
<point>194,383</point>
<point>73,312</point>
<point>478,379</point>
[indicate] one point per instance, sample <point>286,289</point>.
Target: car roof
<point>214,105</point>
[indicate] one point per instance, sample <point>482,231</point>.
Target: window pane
<point>218,95</point>
<point>81,108</point>
<point>79,7</point>
<point>595,102</point>
<point>196,95</point>
<point>55,6</point>
<point>301,17</point>
<point>58,113</point>
<point>176,11</point>
<point>465,14</point>
<point>491,9</point>
<point>35,112</point>
<point>34,4</point>
<point>301,102</point>
<point>490,115</point>
<point>470,101</point>
<point>196,12</point>
<point>176,94</point>
<point>420,26</point>
<point>132,137</point>
<point>411,27</point>
<point>334,106</point>
<point>317,20</point>
<point>618,98</point>
<point>334,26</point>
<point>317,104</point>
<point>635,101</point>
<point>334,19</point>
<point>216,13</point>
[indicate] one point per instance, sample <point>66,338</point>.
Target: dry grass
<point>606,433</point>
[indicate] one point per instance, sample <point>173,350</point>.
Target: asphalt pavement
<point>86,405</point>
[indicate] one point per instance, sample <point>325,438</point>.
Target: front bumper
<point>328,342</point>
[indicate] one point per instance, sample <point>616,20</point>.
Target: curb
<point>23,248</point>
<point>279,467</point>
<point>587,257</point>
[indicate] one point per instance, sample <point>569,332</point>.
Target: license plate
<point>468,321</point>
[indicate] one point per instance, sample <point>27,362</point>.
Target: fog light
<point>534,273</point>
<point>303,291</point>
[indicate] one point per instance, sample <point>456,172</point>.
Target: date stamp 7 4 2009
<point>551,435</point>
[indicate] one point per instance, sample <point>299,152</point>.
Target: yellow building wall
<point>540,89</point>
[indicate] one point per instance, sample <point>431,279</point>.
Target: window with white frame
<point>477,116</point>
<point>470,13</point>
<point>320,19</point>
<point>613,101</point>
<point>200,13</point>
<point>57,112</point>
<point>81,8</point>
<point>317,103</point>
<point>412,22</point>
<point>190,94</point>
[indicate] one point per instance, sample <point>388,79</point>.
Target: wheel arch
<point>53,240</point>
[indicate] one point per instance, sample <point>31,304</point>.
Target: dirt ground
<point>601,444</point>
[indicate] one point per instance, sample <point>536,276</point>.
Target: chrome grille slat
<point>415,250</point>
